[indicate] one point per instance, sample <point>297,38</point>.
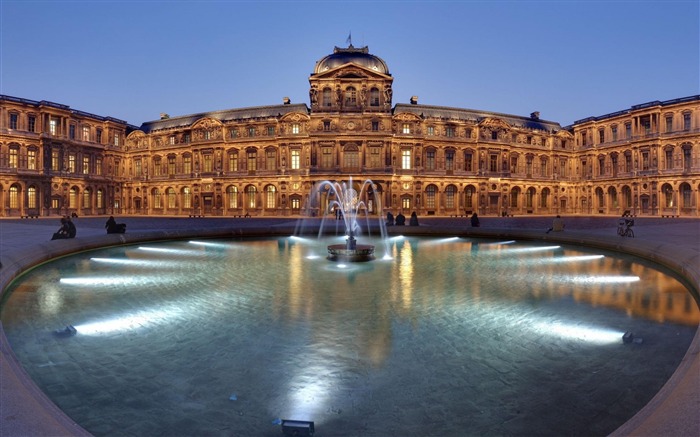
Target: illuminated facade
<point>263,161</point>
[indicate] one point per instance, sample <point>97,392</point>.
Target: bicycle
<point>624,228</point>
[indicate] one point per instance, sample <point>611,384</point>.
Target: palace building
<point>265,160</point>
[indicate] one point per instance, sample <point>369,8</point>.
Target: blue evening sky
<point>133,59</point>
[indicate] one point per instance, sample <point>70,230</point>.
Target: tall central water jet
<point>347,204</point>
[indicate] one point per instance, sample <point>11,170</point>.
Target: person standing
<point>475,221</point>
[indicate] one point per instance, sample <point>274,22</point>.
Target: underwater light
<point>297,428</point>
<point>210,244</point>
<point>579,332</point>
<point>574,258</point>
<point>605,279</point>
<point>531,249</point>
<point>95,281</point>
<point>130,322</point>
<point>138,262</point>
<point>499,243</point>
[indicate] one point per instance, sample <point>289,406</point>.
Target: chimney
<point>286,100</point>
<point>535,115</point>
<point>164,116</point>
<point>414,100</point>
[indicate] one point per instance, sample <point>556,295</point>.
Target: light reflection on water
<point>481,336</point>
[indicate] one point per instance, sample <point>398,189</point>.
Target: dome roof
<point>359,56</point>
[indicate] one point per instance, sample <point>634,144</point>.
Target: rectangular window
<point>468,161</point>
<point>233,162</point>
<point>601,166</point>
<point>14,158</point>
<point>86,165</point>
<point>326,125</point>
<point>55,162</point>
<point>327,158</point>
<point>628,163</point>
<point>669,159</point>
<point>252,161</point>
<point>544,170</point>
<point>645,160</point>
<point>686,121</point>
<point>53,126</point>
<point>614,133</point>
<point>233,133</point>
<point>406,128</point>
<point>86,199</point>
<point>270,131</point>
<point>601,136</point>
<point>563,167</point>
<point>208,163</point>
<point>31,159</point>
<point>157,167</point>
<point>71,163</point>
<point>296,159</point>
<point>352,159</point>
<point>14,121</point>
<point>71,131</point>
<point>86,133</point>
<point>375,126</point>
<point>430,160</point>
<point>98,166</point>
<point>449,160</point>
<point>431,130</point>
<point>31,197</point>
<point>98,135</point>
<point>669,123</point>
<point>187,164</point>
<point>31,125</point>
<point>406,159</point>
<point>116,139</point>
<point>628,131</point>
<point>251,131</point>
<point>375,157</point>
<point>270,159</point>
<point>187,138</point>
<point>296,128</point>
<point>493,163</point>
<point>450,131</point>
<point>171,166</point>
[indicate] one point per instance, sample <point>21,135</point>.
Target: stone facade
<point>264,161</point>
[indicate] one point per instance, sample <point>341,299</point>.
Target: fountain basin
<point>360,252</point>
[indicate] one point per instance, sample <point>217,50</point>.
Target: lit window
<point>53,126</point>
<point>187,164</point>
<point>296,157</point>
<point>31,197</point>
<point>86,133</point>
<point>270,197</point>
<point>14,197</point>
<point>232,195</point>
<point>208,163</point>
<point>31,159</point>
<point>71,163</point>
<point>295,128</point>
<point>233,162</point>
<point>406,159</point>
<point>14,157</point>
<point>86,165</point>
<point>431,130</point>
<point>406,128</point>
<point>186,197</point>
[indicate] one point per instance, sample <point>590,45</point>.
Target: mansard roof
<point>251,113</point>
<point>351,55</point>
<point>458,114</point>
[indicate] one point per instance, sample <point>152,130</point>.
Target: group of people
<point>67,229</point>
<point>400,219</point>
<point>113,227</point>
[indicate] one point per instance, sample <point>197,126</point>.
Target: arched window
<point>87,194</point>
<point>270,197</point>
<point>172,198</point>
<point>430,196</point>
<point>250,193</point>
<point>612,194</point>
<point>600,197</point>
<point>156,199</point>
<point>374,97</point>
<point>686,195</point>
<point>73,198</point>
<point>667,195</point>
<point>626,197</point>
<point>31,197</point>
<point>350,96</point>
<point>514,195</point>
<point>14,197</point>
<point>450,191</point>
<point>469,196</point>
<point>186,197</point>
<point>544,198</point>
<point>232,197</point>
<point>530,197</point>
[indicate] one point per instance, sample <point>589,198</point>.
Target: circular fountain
<point>348,203</point>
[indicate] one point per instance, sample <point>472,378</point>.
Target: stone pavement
<point>673,242</point>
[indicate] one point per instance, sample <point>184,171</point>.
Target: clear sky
<point>133,60</point>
